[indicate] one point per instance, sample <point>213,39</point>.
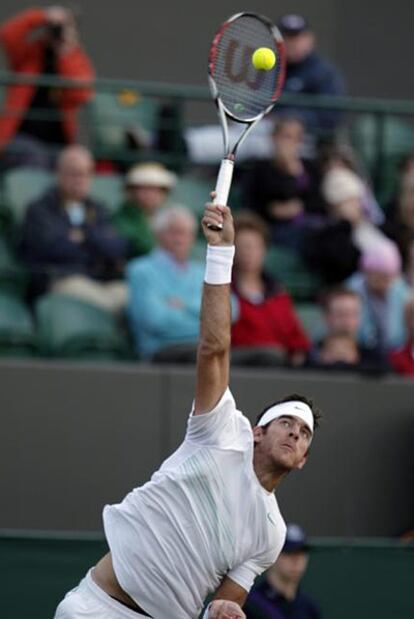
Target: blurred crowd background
<point>102,187</point>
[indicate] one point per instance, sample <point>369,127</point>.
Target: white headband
<point>293,408</point>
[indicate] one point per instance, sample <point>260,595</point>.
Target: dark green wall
<point>359,581</point>
<point>76,436</point>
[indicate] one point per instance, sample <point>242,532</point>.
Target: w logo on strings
<point>239,67</point>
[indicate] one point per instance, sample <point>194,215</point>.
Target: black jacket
<point>49,252</point>
<point>331,252</point>
<point>315,76</point>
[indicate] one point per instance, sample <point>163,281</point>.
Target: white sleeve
<point>246,573</point>
<point>224,426</point>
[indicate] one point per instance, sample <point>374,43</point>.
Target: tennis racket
<point>242,93</point>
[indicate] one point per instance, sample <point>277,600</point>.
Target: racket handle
<point>223,185</point>
<point>224,181</point>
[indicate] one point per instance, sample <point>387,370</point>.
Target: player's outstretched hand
<point>223,609</point>
<point>219,217</point>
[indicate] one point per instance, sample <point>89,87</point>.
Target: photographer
<point>37,121</point>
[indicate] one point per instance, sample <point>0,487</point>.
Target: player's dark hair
<point>295,397</point>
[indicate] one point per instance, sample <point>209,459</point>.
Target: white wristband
<point>219,263</point>
<point>206,612</point>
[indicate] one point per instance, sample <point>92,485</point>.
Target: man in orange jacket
<point>37,120</point>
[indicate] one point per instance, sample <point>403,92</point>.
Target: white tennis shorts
<point>88,601</point>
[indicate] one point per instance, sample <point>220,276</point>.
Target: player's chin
<point>286,461</point>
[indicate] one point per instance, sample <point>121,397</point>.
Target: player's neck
<point>268,476</point>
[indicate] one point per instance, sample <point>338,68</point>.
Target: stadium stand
<point>17,335</point>
<point>289,268</point>
<point>73,329</point>
<point>311,317</point>
<point>121,120</point>
<point>21,186</point>
<point>397,141</point>
<point>13,277</point>
<point>107,189</point>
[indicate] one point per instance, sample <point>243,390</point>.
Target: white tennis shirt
<point>203,515</point>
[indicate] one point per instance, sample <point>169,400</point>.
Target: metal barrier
<point>128,121</point>
<point>381,133</point>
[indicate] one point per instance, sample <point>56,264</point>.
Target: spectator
<point>343,157</point>
<point>267,328</point>
<point>308,73</point>
<point>284,189</point>
<point>399,225</point>
<point>409,262</point>
<point>38,120</point>
<point>68,243</point>
<point>147,187</point>
<point>402,359</point>
<point>334,248</point>
<point>339,351</point>
<point>165,287</point>
<point>279,595</point>
<point>342,314</point>
<point>383,293</point>
<point>405,172</point>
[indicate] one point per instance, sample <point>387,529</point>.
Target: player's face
<point>285,442</point>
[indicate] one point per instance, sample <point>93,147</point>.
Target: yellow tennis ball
<point>264,59</point>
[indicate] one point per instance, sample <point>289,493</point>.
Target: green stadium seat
<point>398,141</point>
<point>199,249</point>
<point>192,192</point>
<point>111,114</point>
<point>22,186</point>
<point>288,267</point>
<point>13,276</point>
<point>312,319</point>
<point>17,336</point>
<point>72,329</point>
<point>108,189</point>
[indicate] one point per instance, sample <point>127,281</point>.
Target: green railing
<point>379,128</point>
<point>358,579</point>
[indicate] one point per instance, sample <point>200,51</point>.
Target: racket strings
<point>245,91</point>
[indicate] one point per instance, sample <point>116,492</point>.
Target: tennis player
<point>208,521</point>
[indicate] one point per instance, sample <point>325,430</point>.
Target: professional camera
<point>56,32</point>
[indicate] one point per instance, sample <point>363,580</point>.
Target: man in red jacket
<point>37,120</point>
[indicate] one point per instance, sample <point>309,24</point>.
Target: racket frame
<point>225,173</point>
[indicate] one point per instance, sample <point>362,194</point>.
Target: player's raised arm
<point>213,358</point>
